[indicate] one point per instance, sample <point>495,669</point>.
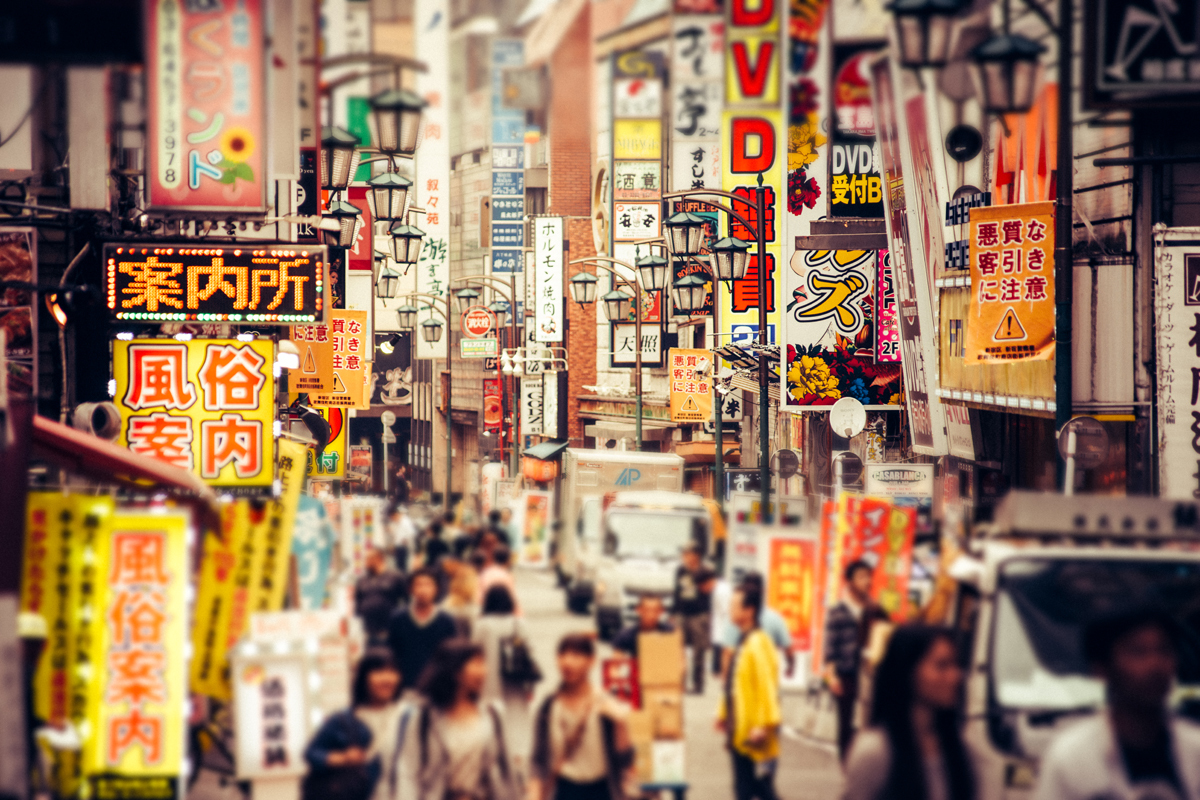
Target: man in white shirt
<point>1135,748</point>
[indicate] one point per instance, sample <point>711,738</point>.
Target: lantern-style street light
<point>406,243</point>
<point>397,116</point>
<point>406,316</point>
<point>500,309</point>
<point>583,287</point>
<point>339,157</point>
<point>388,193</point>
<point>653,272</point>
<point>465,298</point>
<point>923,29</point>
<point>685,232</point>
<point>616,305</point>
<point>688,294</point>
<point>387,284</point>
<point>431,330</point>
<point>732,256</point>
<point>348,219</point>
<point>1008,65</point>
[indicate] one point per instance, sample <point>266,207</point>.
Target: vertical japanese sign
<point>361,255</point>
<point>207,127</point>
<point>349,350</point>
<point>271,713</point>
<point>752,141</point>
<point>691,385</point>
<point>312,547</point>
<point>331,464</point>
<point>209,666</point>
<point>697,97</point>
<point>855,183</point>
<point>1012,284</point>
<point>913,293</point>
<point>431,26</point>
<point>508,163</point>
<point>493,405</point>
<point>792,586</point>
<point>138,716</point>
<point>275,535</point>
<point>531,406</point>
<point>1177,324</point>
<point>18,255</point>
<point>548,252</point>
<point>887,323</point>
<point>204,405</point>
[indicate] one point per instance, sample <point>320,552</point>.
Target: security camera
<point>98,419</point>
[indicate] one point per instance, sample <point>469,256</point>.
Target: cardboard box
<point>665,708</point>
<point>660,660</point>
<point>669,762</point>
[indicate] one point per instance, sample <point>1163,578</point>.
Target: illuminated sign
<point>180,283</point>
<point>204,405</point>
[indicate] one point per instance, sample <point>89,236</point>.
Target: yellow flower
<point>811,376</point>
<point>237,144</point>
<point>895,399</point>
<point>803,141</point>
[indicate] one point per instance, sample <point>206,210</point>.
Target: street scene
<point>600,400</point>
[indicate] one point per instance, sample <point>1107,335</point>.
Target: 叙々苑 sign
<point>204,405</point>
<point>691,385</point>
<point>548,254</point>
<point>206,129</point>
<point>274,285</point>
<point>1012,284</point>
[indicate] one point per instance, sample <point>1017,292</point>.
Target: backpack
<point>517,665</point>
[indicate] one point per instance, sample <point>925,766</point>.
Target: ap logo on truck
<point>629,476</point>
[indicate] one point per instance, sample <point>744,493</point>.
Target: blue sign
<point>746,333</point>
<point>507,260</point>
<point>508,235</point>
<point>508,131</point>
<point>312,545</point>
<point>508,184</point>
<point>508,209</point>
<point>508,157</point>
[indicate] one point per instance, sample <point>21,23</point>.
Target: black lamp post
<point>339,157</point>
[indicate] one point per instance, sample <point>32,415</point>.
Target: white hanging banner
<point>531,406</point>
<point>1177,323</point>
<point>432,187</point>
<point>548,305</point>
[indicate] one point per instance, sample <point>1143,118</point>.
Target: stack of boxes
<point>656,730</point>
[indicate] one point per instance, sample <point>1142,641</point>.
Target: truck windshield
<point>1043,606</point>
<point>649,535</point>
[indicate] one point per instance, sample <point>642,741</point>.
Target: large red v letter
<point>753,81</point>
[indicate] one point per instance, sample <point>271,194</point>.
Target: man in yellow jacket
<point>749,712</point>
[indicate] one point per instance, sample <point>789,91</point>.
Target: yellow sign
<point>276,535</point>
<point>691,385</point>
<point>214,598</point>
<point>350,358</point>
<point>332,463</point>
<point>138,712</point>
<point>204,405</point>
<point>1012,284</point>
<point>315,373</point>
<point>637,139</point>
<point>247,572</point>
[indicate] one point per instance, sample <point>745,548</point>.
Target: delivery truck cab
<point>587,477</point>
<point>1026,588</point>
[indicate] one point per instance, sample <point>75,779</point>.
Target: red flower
<point>803,191</point>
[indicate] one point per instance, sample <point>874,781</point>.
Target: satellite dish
<point>847,417</point>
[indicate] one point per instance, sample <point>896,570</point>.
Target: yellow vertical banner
<point>93,522</point>
<point>246,572</point>
<point>54,670</point>
<point>138,712</point>
<point>39,578</point>
<point>214,600</point>
<point>280,518</point>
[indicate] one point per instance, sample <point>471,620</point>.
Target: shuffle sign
<point>281,285</point>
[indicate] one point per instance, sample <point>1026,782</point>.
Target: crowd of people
<point>442,697</point>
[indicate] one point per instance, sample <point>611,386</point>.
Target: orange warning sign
<point>1012,284</point>
<point>691,385</point>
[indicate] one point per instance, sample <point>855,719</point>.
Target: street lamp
<point>1008,68</point>
<point>616,305</point>
<point>388,345</point>
<point>339,157</point>
<point>466,298</point>
<point>653,272</point>
<point>685,232</point>
<point>387,284</point>
<point>431,330</point>
<point>406,243</point>
<point>688,294</point>
<point>406,316</point>
<point>733,255</point>
<point>923,29</point>
<point>500,309</point>
<point>397,121</point>
<point>387,194</point>
<point>348,219</point>
<point>583,287</point>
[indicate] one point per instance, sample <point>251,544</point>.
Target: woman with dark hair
<point>351,753</point>
<point>913,749</point>
<point>501,634</point>
<point>453,746</point>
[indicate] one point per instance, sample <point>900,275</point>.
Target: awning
<point>90,456</point>
<point>546,451</point>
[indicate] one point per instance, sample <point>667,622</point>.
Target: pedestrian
<point>649,620</point>
<point>403,534</point>
<point>914,749</point>
<point>497,571</point>
<point>770,620</point>
<point>693,606</point>
<point>1135,748</point>
<point>400,486</point>
<point>497,527</point>
<point>452,746</point>
<point>350,756</point>
<point>847,631</point>
<point>435,546</point>
<point>750,714</point>
<point>498,630</point>
<point>462,598</point>
<point>415,632</point>
<point>581,747</point>
<point>377,594</point>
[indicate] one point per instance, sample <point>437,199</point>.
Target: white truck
<point>1026,588</point>
<point>587,476</point>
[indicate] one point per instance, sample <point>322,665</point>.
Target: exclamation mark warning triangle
<point>689,404</point>
<point>1010,328</point>
<point>310,362</point>
<point>338,386</point>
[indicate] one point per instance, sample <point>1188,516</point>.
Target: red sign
<point>361,256</point>
<point>493,405</point>
<point>477,321</point>
<point>207,132</point>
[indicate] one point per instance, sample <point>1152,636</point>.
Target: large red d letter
<point>752,143</point>
<point>751,13</point>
